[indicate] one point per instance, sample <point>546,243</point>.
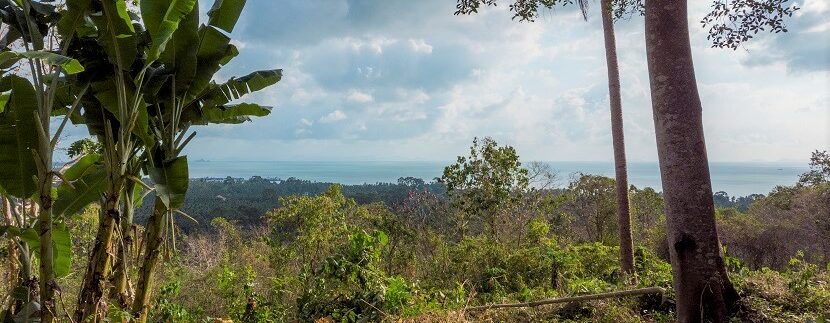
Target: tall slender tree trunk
<point>99,268</point>
<point>704,292</point>
<point>153,240</point>
<point>624,218</point>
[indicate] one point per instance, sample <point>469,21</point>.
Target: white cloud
<point>420,46</point>
<point>334,116</point>
<point>430,82</point>
<point>359,97</point>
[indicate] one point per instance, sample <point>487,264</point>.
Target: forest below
<point>259,250</point>
<point>246,201</point>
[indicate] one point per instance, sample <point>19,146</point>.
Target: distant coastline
<point>735,178</point>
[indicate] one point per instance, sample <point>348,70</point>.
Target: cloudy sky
<point>408,80</point>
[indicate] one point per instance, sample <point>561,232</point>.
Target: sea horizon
<point>735,178</point>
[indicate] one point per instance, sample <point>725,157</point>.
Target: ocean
<point>737,179</point>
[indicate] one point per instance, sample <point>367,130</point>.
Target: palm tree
<point>618,137</point>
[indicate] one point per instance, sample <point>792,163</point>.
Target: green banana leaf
<point>171,180</point>
<point>18,137</point>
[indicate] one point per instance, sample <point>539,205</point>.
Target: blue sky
<point>408,80</point>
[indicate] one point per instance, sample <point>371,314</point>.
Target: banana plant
<point>162,65</point>
<point>33,60</point>
<point>110,44</point>
<point>188,96</point>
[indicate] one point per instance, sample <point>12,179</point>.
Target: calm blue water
<point>737,179</point>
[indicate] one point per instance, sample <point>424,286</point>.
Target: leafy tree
<point>646,207</point>
<point>819,170</point>
<point>314,224</point>
<point>34,63</point>
<point>184,96</point>
<point>484,183</point>
<point>591,204</point>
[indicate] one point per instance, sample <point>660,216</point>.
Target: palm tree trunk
<point>704,292</point>
<point>153,240</point>
<point>99,268</point>
<point>624,218</point>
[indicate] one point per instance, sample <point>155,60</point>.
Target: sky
<point>408,80</point>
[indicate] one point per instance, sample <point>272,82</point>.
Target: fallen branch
<point>580,298</point>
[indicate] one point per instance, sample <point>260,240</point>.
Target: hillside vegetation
<point>425,257</point>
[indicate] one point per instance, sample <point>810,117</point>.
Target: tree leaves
<point>61,245</point>
<point>116,33</point>
<point>225,13</point>
<point>69,65</point>
<point>162,17</point>
<point>18,137</point>
<point>232,114</point>
<point>88,181</point>
<point>61,249</point>
<point>237,87</point>
<point>72,17</point>
<point>171,181</point>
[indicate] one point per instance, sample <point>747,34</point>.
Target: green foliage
<point>485,182</point>
<point>166,310</point>
<point>18,137</point>
<point>83,147</point>
<point>162,19</point>
<point>317,224</point>
<point>85,183</point>
<point>225,13</point>
<point>819,172</point>
<point>171,180</point>
<point>69,65</point>
<point>591,202</point>
<point>245,304</point>
<point>61,245</point>
<point>350,286</point>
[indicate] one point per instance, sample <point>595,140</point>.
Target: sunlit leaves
<point>230,114</point>
<point>237,87</point>
<point>225,13</point>
<point>69,65</point>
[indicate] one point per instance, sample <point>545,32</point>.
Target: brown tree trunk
<point>47,258</point>
<point>121,290</point>
<point>703,289</point>
<point>153,239</point>
<point>624,218</point>
<point>99,268</point>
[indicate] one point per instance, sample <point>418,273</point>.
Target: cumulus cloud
<point>364,75</point>
<point>359,97</point>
